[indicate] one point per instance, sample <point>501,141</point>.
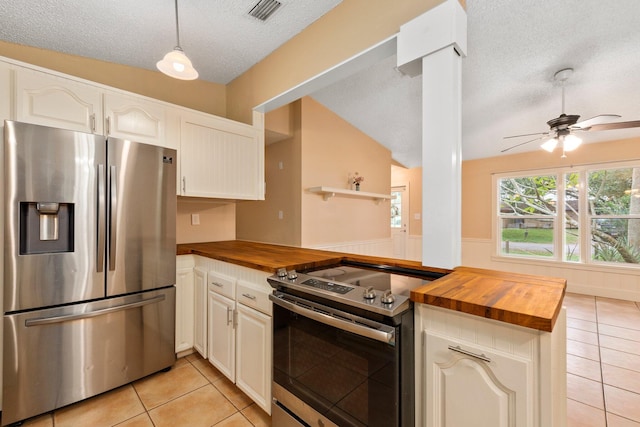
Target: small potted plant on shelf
<point>357,179</point>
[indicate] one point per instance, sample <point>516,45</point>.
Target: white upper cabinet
<point>220,159</point>
<point>5,88</point>
<point>49,100</point>
<point>135,119</point>
<point>217,157</point>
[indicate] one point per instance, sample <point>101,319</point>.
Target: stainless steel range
<point>343,347</point>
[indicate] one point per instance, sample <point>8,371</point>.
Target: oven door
<point>344,367</point>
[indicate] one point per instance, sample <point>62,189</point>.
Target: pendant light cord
<point>177,27</point>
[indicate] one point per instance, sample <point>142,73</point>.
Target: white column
<point>441,162</point>
<point>433,45</point>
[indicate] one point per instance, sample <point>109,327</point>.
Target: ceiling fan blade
<point>523,143</point>
<point>542,134</point>
<point>596,120</point>
<point>612,126</point>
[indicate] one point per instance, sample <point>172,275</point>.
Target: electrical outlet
<point>195,219</point>
<point>280,215</point>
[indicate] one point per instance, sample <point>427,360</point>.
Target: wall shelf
<point>329,192</point>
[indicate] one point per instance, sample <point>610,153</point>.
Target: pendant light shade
<point>175,63</point>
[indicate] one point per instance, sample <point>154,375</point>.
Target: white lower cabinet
<point>253,352</point>
<point>221,334</point>
<point>472,386</point>
<point>472,371</point>
<point>200,311</point>
<point>184,303</point>
<point>239,334</point>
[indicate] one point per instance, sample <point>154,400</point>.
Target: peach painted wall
<point>413,179</point>
<point>217,220</point>
<point>323,150</point>
<point>477,212</point>
<point>198,94</point>
<point>260,221</point>
<point>331,149</point>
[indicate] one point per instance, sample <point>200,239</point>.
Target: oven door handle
<point>377,331</point>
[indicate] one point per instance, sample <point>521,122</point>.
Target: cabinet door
<point>253,355</point>
<point>134,119</point>
<point>469,385</point>
<point>54,101</point>
<point>221,337</point>
<point>200,311</point>
<point>184,309</point>
<point>220,162</point>
<point>5,88</point>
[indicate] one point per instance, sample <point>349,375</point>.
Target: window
<point>396,209</point>
<point>582,215</point>
<point>527,213</point>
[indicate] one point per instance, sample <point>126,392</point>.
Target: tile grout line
<point>223,395</point>
<point>604,399</point>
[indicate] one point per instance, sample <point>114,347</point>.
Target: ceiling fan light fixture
<point>175,63</point>
<point>550,145</point>
<point>571,142</point>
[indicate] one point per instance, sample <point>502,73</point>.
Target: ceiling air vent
<point>264,9</point>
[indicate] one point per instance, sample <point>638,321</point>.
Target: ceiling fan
<point>562,129</point>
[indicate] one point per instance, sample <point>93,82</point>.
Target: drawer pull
<point>220,285</point>
<point>470,353</point>
<point>253,297</point>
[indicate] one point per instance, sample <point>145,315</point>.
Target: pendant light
<point>175,63</point>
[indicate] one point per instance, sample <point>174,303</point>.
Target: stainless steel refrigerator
<point>89,266</point>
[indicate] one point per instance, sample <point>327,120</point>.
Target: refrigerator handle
<point>101,220</point>
<point>113,213</point>
<point>77,316</point>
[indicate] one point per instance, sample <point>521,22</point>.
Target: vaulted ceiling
<point>514,49</point>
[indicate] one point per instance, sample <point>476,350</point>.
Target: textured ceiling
<point>219,37</point>
<point>514,49</point>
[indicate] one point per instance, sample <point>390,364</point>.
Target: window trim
<point>584,217</point>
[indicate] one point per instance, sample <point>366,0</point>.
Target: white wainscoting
<point>377,247</point>
<point>611,282</point>
<point>414,248</point>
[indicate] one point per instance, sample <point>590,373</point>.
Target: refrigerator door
<point>52,252</point>
<point>58,356</point>
<point>142,216</point>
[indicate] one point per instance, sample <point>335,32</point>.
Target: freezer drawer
<point>58,356</point>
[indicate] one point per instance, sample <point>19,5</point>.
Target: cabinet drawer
<point>221,284</point>
<point>253,296</point>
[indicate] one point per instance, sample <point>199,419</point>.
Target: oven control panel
<point>327,286</point>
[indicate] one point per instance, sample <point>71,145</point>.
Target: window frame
<point>559,236</point>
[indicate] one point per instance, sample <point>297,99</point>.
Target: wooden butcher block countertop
<point>520,299</point>
<point>524,300</point>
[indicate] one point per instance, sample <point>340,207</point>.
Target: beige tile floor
<point>603,362</point>
<point>603,382</point>
<point>193,393</point>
